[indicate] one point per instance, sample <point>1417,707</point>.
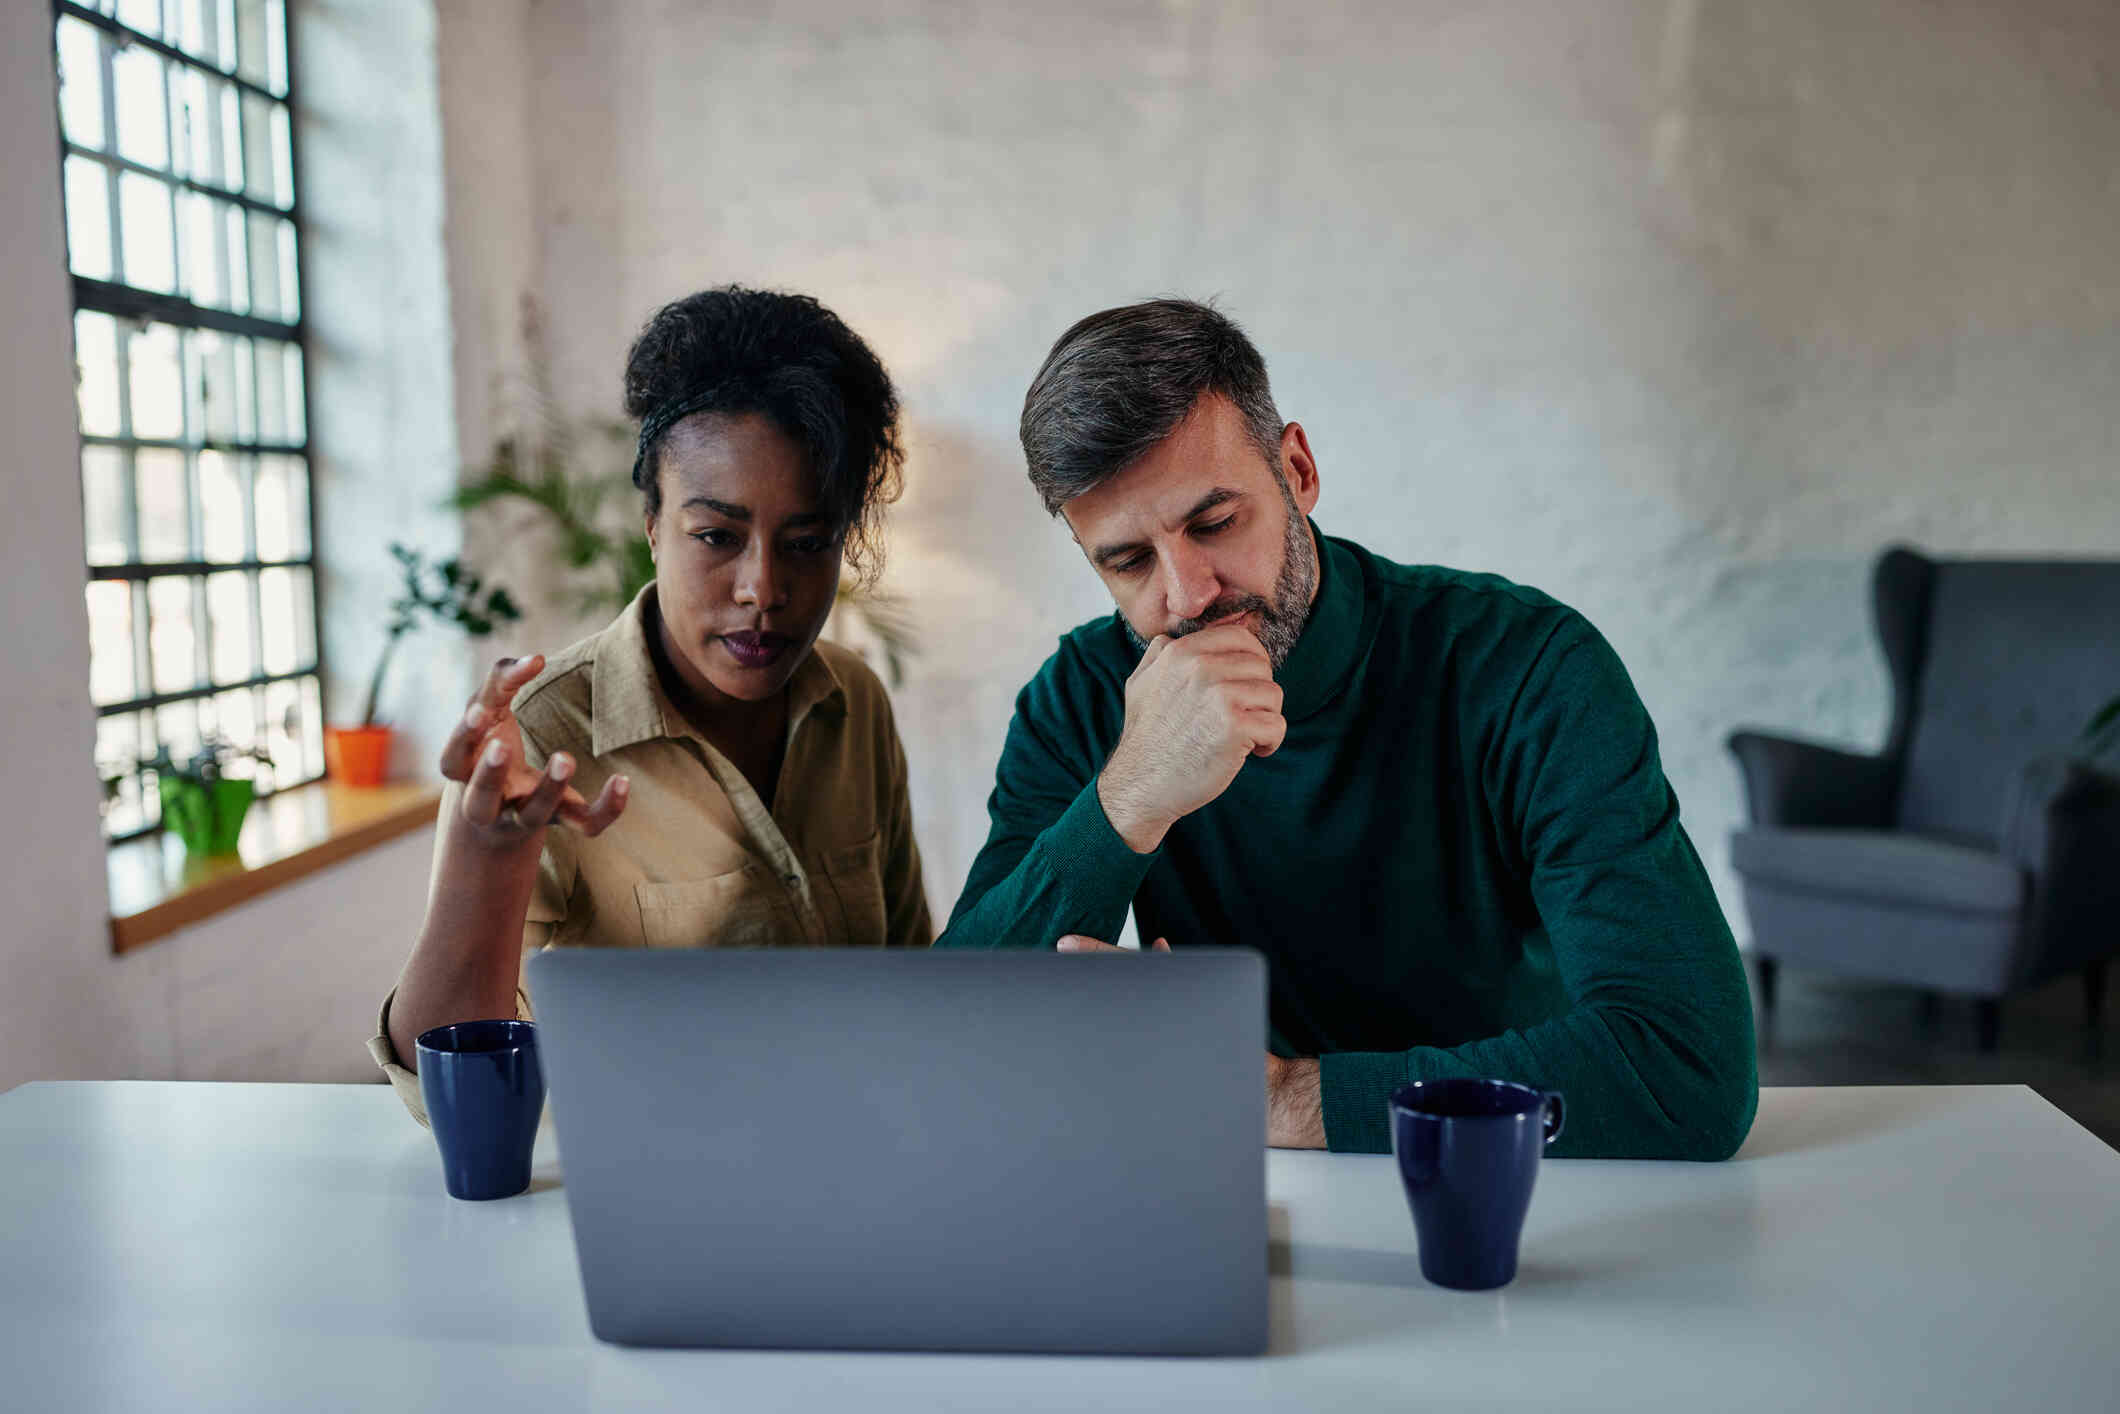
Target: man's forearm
<point>1076,876</point>
<point>1133,816</point>
<point>1295,1116</point>
<point>1636,1088</point>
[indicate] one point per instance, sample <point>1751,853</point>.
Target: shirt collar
<point>627,702</point>
<point>1335,637</point>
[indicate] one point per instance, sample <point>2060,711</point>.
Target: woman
<point>703,772</point>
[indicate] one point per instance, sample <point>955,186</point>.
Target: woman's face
<point>746,563</point>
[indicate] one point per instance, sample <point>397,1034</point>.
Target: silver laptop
<point>998,1151</point>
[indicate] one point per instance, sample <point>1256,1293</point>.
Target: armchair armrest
<point>1804,785</point>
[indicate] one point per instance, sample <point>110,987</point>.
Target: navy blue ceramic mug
<point>484,1091</point>
<point>1468,1153</point>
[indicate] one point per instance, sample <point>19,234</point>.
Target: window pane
<point>282,158</point>
<point>104,504</point>
<point>221,533</point>
<point>276,45</point>
<point>290,288</point>
<point>191,154</point>
<point>259,171</point>
<point>203,149</point>
<point>246,391</point>
<point>157,383</point>
<point>96,373</point>
<point>231,119</point>
<point>283,508</point>
<point>165,508</point>
<point>177,727</point>
<point>118,749</point>
<point>150,802</point>
<point>145,223</point>
<point>199,237</point>
<point>88,218</point>
<point>110,641</point>
<point>142,15</point>
<point>80,82</point>
<point>228,608</point>
<point>236,242</point>
<point>283,730</point>
<point>143,107</point>
<point>311,729</point>
<point>291,368</point>
<point>210,379</point>
<point>172,643</point>
<point>276,619</point>
<point>199,32</point>
<point>235,717</point>
<point>266,300</point>
<point>252,39</point>
<point>275,424</point>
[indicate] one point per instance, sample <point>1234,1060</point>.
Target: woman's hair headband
<point>660,419</point>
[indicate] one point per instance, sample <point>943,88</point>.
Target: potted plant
<point>445,593</point>
<point>201,802</point>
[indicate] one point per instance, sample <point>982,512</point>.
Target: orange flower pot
<point>357,756</point>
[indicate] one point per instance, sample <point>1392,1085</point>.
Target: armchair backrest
<point>2007,661</point>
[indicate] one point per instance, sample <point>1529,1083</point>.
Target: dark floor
<point>1830,1031</point>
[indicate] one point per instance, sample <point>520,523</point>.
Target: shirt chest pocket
<point>853,876</point>
<point>743,908</point>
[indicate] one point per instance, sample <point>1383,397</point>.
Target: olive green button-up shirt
<point>697,860</point>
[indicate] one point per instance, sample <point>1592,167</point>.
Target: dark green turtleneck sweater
<point>1463,860</point>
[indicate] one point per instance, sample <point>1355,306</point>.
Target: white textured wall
<point>285,987</point>
<point>59,1009</point>
<point>1678,309</point>
<point>383,419</point>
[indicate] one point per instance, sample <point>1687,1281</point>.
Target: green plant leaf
<point>2106,715</point>
<point>636,568</point>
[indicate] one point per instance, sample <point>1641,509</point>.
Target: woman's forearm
<point>466,962</point>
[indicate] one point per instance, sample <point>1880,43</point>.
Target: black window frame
<point>139,307</point>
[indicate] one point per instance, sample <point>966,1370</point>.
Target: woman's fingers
<point>486,709</point>
<point>460,751</point>
<point>537,807</point>
<point>484,789</point>
<point>592,818</point>
<point>507,678</point>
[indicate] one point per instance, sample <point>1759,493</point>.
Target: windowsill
<point>155,889</point>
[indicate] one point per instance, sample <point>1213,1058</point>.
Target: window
<point>183,234</point>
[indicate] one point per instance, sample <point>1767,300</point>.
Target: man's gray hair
<point>1122,380</point>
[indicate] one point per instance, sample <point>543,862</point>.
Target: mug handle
<point>1555,1111</point>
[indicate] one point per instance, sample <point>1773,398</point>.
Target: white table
<point>233,1247</point>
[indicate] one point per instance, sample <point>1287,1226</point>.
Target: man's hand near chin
<point>1295,1113</point>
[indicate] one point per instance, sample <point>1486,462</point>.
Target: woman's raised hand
<point>506,803</point>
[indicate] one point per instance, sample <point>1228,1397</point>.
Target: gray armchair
<point>1979,852</point>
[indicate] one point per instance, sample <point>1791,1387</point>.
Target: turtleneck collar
<point>1333,640</point>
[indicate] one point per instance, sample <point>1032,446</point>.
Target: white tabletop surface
<point>237,1247</point>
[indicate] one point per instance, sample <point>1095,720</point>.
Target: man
<point>1432,799</point>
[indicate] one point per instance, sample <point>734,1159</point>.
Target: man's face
<point>1201,531</point>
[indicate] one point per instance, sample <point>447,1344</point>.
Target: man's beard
<point>1281,620</point>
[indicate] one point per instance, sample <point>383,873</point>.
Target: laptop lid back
<point>999,1151</point>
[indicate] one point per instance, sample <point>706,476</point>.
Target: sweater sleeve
<point>1052,863</point>
<point>1654,1055</point>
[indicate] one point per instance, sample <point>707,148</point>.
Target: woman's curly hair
<point>733,350</point>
